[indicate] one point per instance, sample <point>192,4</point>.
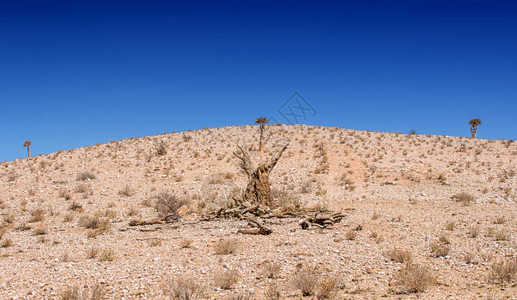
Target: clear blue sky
<point>75,73</point>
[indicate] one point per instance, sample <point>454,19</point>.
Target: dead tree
<point>258,190</point>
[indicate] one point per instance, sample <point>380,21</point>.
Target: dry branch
<point>260,228</point>
<point>164,220</point>
<point>321,221</point>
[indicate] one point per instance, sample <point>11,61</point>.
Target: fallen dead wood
<point>164,220</point>
<point>260,228</point>
<point>321,220</point>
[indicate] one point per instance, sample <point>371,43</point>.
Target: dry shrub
<point>9,218</point>
<point>444,239</point>
<point>68,217</point>
<point>183,289</point>
<point>37,215</point>
<point>6,243</point>
<point>3,231</point>
<point>503,271</point>
<point>503,235</point>
<point>82,188</point>
<point>306,280</point>
<point>155,242</point>
<point>74,206</point>
<point>450,226</point>
<point>84,176</point>
<point>65,194</point>
<point>282,199</point>
<point>474,231</point>
<point>271,269</point>
<point>243,296</point>
<point>127,191</point>
<point>469,258</point>
<point>166,203</point>
<point>132,212</point>
<point>500,220</point>
<point>464,198</point>
<point>94,222</point>
<point>161,149</point>
<point>414,278</point>
<point>351,235</point>
<point>399,255</point>
<point>39,231</point>
<point>440,249</point>
<point>226,246</point>
<point>272,292</point>
<point>226,278</point>
<point>327,287</point>
<point>186,243</point>
<point>92,253</point>
<point>23,227</point>
<point>77,293</point>
<point>107,254</point>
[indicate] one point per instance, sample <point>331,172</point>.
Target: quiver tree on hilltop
<point>258,190</point>
<point>474,127</point>
<point>28,145</point>
<point>261,121</point>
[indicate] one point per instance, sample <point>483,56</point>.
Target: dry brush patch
<point>226,278</point>
<point>226,246</point>
<point>399,255</point>
<point>96,292</point>
<point>414,278</point>
<point>183,288</point>
<point>504,270</point>
<point>167,203</point>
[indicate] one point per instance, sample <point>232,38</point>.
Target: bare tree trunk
<point>473,131</point>
<point>261,143</point>
<point>258,190</point>
<point>29,152</point>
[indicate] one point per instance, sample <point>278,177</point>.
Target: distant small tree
<point>261,121</point>
<point>28,145</point>
<point>474,127</point>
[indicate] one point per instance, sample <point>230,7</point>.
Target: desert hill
<point>65,216</point>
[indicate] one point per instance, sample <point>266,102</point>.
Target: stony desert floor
<point>428,217</point>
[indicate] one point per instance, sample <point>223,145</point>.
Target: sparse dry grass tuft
<point>39,231</point>
<point>273,292</point>
<point>127,191</point>
<point>92,253</point>
<point>414,278</point>
<point>183,289</point>
<point>399,255</point>
<point>84,176</point>
<point>94,222</point>
<point>464,198</point>
<point>271,269</point>
<point>503,271</point>
<point>327,287</point>
<point>306,280</point>
<point>474,231</point>
<point>226,246</point>
<point>226,278</point>
<point>351,235</point>
<point>186,243</point>
<point>6,242</point>
<point>37,215</point>
<point>107,254</point>
<point>503,235</point>
<point>77,293</point>
<point>440,249</point>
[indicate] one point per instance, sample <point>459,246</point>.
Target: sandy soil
<point>397,192</point>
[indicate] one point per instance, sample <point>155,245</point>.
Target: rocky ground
<point>430,217</point>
